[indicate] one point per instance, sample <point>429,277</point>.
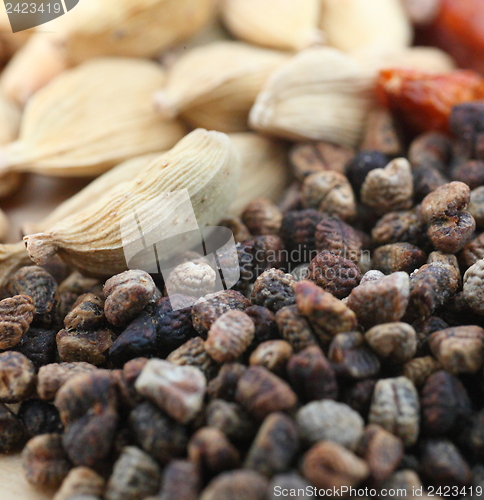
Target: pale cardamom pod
<point>214,86</point>
<point>129,28</point>
<point>285,25</point>
<point>352,25</point>
<point>90,194</point>
<point>91,118</point>
<point>265,172</point>
<point>204,164</point>
<point>319,94</point>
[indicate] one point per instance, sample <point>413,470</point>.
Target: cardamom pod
<point>319,94</point>
<point>287,25</point>
<point>215,86</point>
<point>9,127</point>
<point>98,187</point>
<point>265,172</point>
<point>428,59</point>
<point>107,28</point>
<point>38,62</point>
<point>352,25</point>
<point>134,28</point>
<point>203,164</point>
<point>91,118</point>
<point>264,167</point>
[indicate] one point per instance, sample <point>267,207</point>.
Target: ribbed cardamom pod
<point>90,194</point>
<point>205,165</point>
<point>133,28</point>
<point>352,25</point>
<point>9,127</point>
<point>129,28</point>
<point>215,86</point>
<point>264,167</point>
<point>284,25</point>
<point>319,94</point>
<point>91,118</point>
<point>265,172</point>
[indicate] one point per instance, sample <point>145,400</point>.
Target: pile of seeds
<point>350,352</point>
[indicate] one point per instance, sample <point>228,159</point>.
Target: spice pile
<point>349,372</point>
<point>348,358</point>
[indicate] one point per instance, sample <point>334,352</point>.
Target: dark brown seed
<point>39,346</point>
<point>194,353</point>
<point>135,476</point>
<point>236,485</point>
<point>381,133</point>
<point>231,419</point>
<point>261,216</point>
<point>419,369</point>
<point>339,238</point>
<point>16,314</point>
<point>394,342</point>
<point>224,385</point>
<point>424,328</point>
<point>381,450</point>
<point>326,314</point>
<point>334,273</point>
<point>87,313</point>
<point>261,392</point>
<point>211,451</point>
<point>400,227</point>
<point>73,287</point>
<point>87,404</point>
<point>459,349</point>
<point>273,289</point>
<point>90,347</point>
<point>359,396</point>
<point>237,227</point>
<point>127,294</point>
<point>398,257</point>
<point>229,336</point>
<point>211,307</point>
<point>351,357</point>
<point>45,461</point>
<point>430,287</point>
<point>444,401</point>
<point>273,355</point>
<point>156,433</point>
<point>180,481</point>
<point>450,226</point>
<point>470,172</point>
<point>274,447</point>
<point>329,192</point>
<point>298,230</point>
<point>41,286</point>
<point>17,377</point>
<point>259,254</point>
<point>310,157</point>
<point>40,417</point>
<point>264,324</point>
<point>362,164</point>
<point>12,431</point>
<point>329,465</point>
<point>443,465</point>
<point>311,375</point>
<point>295,328</point>
<point>81,481</point>
<point>381,301</point>
<point>51,377</point>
